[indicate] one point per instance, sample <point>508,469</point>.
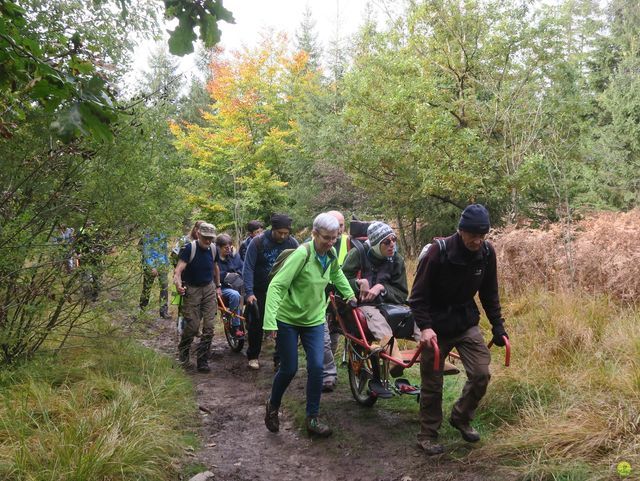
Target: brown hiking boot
<point>271,420</point>
<point>469,434</point>
<point>431,447</point>
<point>317,427</point>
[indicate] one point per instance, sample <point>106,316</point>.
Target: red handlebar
<point>436,355</point>
<point>507,349</point>
<point>362,341</point>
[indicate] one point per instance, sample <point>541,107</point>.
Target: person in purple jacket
<point>442,301</point>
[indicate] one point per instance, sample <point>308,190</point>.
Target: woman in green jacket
<point>295,307</point>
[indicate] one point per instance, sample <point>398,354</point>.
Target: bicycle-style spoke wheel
<point>235,343</point>
<point>360,372</point>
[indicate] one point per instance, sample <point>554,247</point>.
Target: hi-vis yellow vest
<point>342,252</point>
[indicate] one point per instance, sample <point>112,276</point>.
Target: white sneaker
<point>254,364</point>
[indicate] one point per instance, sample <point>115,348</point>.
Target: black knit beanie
<point>475,219</point>
<point>280,221</point>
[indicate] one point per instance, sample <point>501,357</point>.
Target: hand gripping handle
<point>507,348</point>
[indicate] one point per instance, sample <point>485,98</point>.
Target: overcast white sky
<point>254,17</point>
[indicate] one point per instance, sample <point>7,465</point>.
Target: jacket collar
<point>378,261</point>
<point>457,253</point>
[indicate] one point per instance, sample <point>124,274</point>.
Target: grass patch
<point>569,406</point>
<point>110,411</point>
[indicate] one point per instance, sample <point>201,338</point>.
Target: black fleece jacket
<point>442,297</point>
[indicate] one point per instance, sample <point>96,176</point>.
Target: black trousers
<point>255,313</point>
<point>255,316</point>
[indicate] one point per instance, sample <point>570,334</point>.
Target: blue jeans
<point>231,298</point>
<point>313,343</point>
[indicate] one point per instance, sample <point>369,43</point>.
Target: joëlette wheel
<point>360,372</point>
<point>235,343</point>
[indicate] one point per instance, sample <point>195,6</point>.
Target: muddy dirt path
<point>368,444</point>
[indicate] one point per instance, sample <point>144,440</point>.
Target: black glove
<point>353,303</point>
<point>498,331</point>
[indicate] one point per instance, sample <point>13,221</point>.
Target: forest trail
<point>368,444</point>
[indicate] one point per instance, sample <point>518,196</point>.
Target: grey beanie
<point>377,232</point>
<point>475,219</point>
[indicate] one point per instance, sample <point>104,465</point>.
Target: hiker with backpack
<point>182,241</point>
<point>262,253</point>
<point>155,265</point>
<point>295,308</point>
<point>174,257</point>
<point>453,270</point>
<point>197,281</point>
<point>377,273</point>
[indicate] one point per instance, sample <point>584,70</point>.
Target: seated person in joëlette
<point>230,265</point>
<point>377,274</point>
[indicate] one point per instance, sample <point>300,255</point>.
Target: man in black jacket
<point>262,253</point>
<point>442,301</point>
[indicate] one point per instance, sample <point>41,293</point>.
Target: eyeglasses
<point>389,240</point>
<point>328,238</point>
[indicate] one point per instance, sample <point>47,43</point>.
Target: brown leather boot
<point>469,434</point>
<point>431,447</point>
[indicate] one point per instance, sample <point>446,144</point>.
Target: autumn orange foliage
<point>241,153</point>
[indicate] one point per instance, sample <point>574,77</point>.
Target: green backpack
<point>282,258</point>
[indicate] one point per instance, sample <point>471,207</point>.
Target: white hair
<point>325,221</point>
